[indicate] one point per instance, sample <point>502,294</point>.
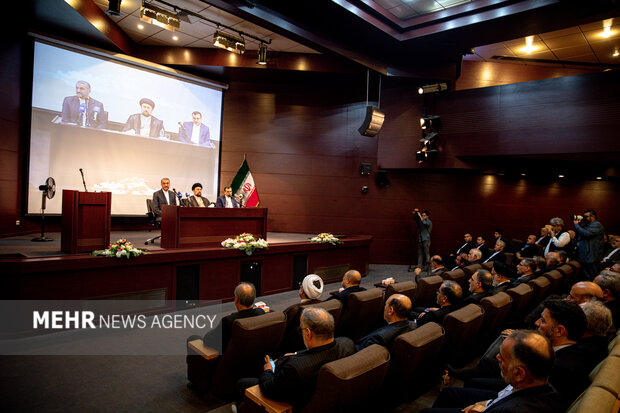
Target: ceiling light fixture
<point>159,17</point>
<point>228,42</point>
<point>262,54</point>
<point>434,88</point>
<point>616,53</point>
<point>529,45</point>
<point>607,32</point>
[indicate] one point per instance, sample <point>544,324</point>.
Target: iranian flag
<point>243,183</point>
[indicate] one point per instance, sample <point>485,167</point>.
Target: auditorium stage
<point>39,271</point>
<point>24,247</point>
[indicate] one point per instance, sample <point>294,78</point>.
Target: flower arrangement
<point>325,238</point>
<point>245,242</point>
<point>120,249</point>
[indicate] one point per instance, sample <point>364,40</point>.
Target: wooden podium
<point>85,222</point>
<point>208,227</point>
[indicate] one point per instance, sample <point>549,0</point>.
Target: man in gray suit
<point>197,200</point>
<point>163,197</point>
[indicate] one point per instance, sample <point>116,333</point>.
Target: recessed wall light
<point>175,38</point>
<point>560,176</point>
<point>599,177</point>
<point>529,45</point>
<point>616,53</point>
<point>141,26</point>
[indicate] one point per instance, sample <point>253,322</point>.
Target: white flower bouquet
<point>120,249</point>
<point>245,242</point>
<point>326,238</point>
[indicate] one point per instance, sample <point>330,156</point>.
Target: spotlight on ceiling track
<point>426,155</point>
<point>229,42</point>
<point>433,88</point>
<point>430,122</point>
<point>262,54</point>
<point>159,17</point>
<point>114,8</point>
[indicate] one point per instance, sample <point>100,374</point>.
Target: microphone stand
<point>83,182</point>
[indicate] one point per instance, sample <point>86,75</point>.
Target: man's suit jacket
<point>613,258</point>
<point>614,307</point>
<point>294,379</point>
<point>344,294</point>
<point>541,399</point>
<point>500,257</point>
<point>221,202</point>
<point>133,122</point>
<point>528,251</point>
<point>225,327</point>
<point>71,111</point>
<point>590,242</point>
<point>204,136</point>
<point>465,247</point>
<point>474,298</point>
<point>385,335</point>
<point>436,316</point>
<point>194,203</point>
<point>502,287</point>
<point>159,199</point>
<point>486,252</point>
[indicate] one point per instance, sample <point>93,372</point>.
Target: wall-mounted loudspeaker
<point>373,122</point>
<point>382,178</point>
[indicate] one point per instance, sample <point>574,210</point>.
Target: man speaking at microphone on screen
<point>81,109</point>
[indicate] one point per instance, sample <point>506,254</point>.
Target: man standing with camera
<point>425,227</point>
<point>590,234</point>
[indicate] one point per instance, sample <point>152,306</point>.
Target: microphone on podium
<point>82,110</point>
<point>83,181</point>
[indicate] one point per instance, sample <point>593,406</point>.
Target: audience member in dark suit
<point>245,294</point>
<point>480,286</point>
<point>525,270</point>
<point>590,233</point>
<point>499,236</point>
<point>195,131</point>
<point>481,245</point>
<point>197,200</point>
<point>474,256</point>
<point>610,285</point>
<point>226,200</point>
<point>294,378</point>
<point>395,313</point>
<point>144,123</point>
<point>526,359</point>
<point>92,113</point>
<point>613,254</point>
<point>503,278</point>
<point>163,197</point>
<point>350,284</point>
<point>529,249</point>
<point>498,255</point>
<point>464,248</point>
<point>449,297</point>
<point>460,261</point>
<point>437,268</point>
<point>594,340</point>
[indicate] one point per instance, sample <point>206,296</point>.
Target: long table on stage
<point>181,274</point>
<point>183,227</point>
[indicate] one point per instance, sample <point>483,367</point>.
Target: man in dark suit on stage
<point>526,359</point>
<point>81,109</point>
<point>395,313</point>
<point>350,284</point>
<point>163,197</point>
<point>293,380</point>
<point>144,123</point>
<point>195,132</point>
<point>226,200</point>
<point>197,200</point>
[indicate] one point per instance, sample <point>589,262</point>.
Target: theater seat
<point>412,353</point>
<point>426,293</point>
<point>349,384</point>
<point>292,340</point>
<point>251,339</point>
<point>510,258</point>
<point>496,309</point>
<point>541,286</point>
<point>457,276</point>
<point>469,271</point>
<point>521,297</point>
<point>361,307</point>
<point>569,274</point>
<point>555,277</point>
<point>487,265</point>
<point>461,327</point>
<point>407,288</point>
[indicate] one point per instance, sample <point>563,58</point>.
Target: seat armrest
<point>206,352</point>
<point>271,406</point>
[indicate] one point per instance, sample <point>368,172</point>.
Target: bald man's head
<point>351,278</point>
<point>584,291</point>
<point>397,308</point>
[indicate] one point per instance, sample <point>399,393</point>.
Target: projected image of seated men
<point>144,123</point>
<point>81,109</point>
<point>195,131</point>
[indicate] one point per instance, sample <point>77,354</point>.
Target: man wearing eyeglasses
<point>590,244</point>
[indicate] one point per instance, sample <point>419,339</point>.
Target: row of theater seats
<point>381,379</point>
